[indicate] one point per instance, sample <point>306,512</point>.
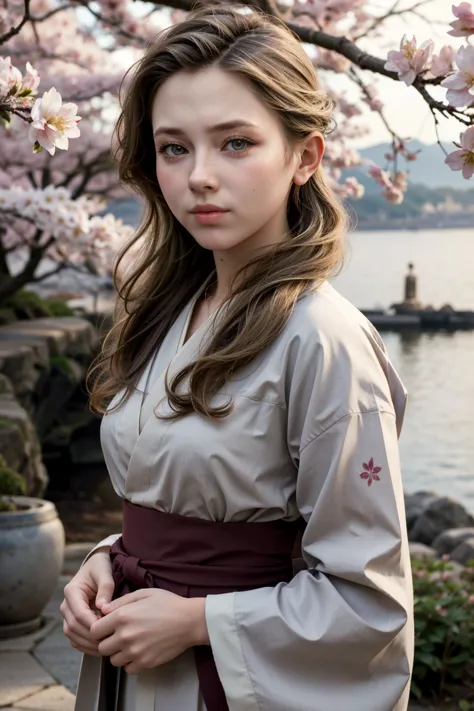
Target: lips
<point>203,209</point>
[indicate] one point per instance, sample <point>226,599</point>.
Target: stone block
<point>420,551</point>
<point>59,658</point>
<point>464,552</point>
<point>21,676</point>
<point>416,503</point>
<point>54,698</point>
<point>27,642</point>
<point>439,515</point>
<point>52,608</point>
<point>447,541</point>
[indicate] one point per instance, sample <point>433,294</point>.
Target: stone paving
<point>39,672</point>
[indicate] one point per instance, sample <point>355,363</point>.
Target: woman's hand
<point>92,586</point>
<point>147,628</point>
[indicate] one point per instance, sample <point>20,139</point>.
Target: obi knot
<point>129,568</point>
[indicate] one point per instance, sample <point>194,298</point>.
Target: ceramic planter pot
<point>32,544</point>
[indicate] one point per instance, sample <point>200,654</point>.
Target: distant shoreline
<point>415,224</point>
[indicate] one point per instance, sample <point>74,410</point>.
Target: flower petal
<point>467,139</point>
<point>455,160</point>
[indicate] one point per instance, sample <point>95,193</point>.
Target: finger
<point>120,659</point>
<point>81,643</point>
<point>105,591</point>
<point>79,604</point>
<point>74,626</point>
<point>103,627</point>
<point>110,646</point>
<point>124,600</point>
<point>86,650</point>
<point>133,668</point>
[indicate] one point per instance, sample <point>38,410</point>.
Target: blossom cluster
<point>411,62</point>
<point>52,122</point>
<point>71,228</point>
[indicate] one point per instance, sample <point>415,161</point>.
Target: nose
<point>202,176</point>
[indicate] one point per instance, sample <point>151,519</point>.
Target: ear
<point>311,154</point>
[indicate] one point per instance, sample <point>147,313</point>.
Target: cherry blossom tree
<point>49,198</point>
<point>80,61</point>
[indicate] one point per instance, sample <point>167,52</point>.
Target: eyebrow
<point>227,126</point>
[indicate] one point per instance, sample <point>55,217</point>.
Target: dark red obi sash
<point>193,557</point>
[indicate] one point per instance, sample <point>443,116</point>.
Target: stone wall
<point>43,363</point>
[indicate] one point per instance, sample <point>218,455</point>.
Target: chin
<point>208,238</point>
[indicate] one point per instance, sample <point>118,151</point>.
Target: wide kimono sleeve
<point>339,636</point>
<point>105,544</point>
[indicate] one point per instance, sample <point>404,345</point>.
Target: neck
<point>228,262</point>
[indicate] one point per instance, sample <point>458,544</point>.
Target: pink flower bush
<point>461,84</point>
<point>464,25</point>
<point>463,159</point>
<point>410,61</point>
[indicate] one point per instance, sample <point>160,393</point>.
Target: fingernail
<point>101,601</point>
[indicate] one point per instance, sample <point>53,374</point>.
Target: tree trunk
<point>10,285</point>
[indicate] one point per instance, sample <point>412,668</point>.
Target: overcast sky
<point>408,113</point>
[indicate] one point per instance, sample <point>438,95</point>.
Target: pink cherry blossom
<point>354,188</point>
<point>53,122</point>
<point>464,25</point>
<point>463,159</point>
<point>393,195</point>
<point>461,84</point>
<point>10,79</point>
<point>442,63</point>
<point>31,79</point>
<point>78,238</point>
<point>380,176</point>
<point>409,61</point>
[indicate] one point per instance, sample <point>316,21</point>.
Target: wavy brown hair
<point>168,265</point>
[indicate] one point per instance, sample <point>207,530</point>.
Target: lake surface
<point>437,442</point>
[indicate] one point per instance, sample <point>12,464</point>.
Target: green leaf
<point>459,658</point>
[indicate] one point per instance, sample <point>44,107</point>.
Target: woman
<point>246,403</point>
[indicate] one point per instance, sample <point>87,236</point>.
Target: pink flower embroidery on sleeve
<point>370,472</point>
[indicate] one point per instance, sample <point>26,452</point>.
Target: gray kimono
<point>314,433</point>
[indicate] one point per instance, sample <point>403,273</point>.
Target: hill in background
<point>429,169</point>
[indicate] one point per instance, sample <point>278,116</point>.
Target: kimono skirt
<point>193,557</point>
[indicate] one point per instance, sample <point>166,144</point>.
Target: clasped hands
<point>147,628</point>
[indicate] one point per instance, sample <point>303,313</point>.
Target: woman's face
<point>242,168</point>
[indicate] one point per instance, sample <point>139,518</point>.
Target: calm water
<point>437,442</point>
